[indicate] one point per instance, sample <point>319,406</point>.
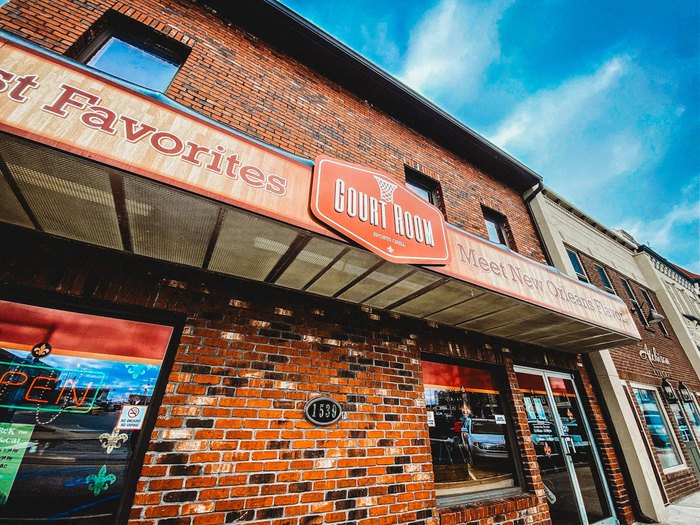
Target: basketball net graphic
<point>386,189</point>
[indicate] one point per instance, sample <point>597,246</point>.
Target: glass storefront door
<point>566,454</point>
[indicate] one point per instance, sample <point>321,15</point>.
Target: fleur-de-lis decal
<point>135,370</point>
<point>100,481</point>
<point>113,440</point>
<point>40,350</point>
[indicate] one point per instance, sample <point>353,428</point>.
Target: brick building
<point>249,277</point>
<point>649,387</point>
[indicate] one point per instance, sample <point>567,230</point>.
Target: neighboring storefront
<point>198,326</point>
<point>652,382</point>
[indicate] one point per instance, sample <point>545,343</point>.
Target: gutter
<point>280,27</point>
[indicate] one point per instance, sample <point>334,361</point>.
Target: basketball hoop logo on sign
<point>376,212</point>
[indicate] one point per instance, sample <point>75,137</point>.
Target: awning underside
<point>71,197</point>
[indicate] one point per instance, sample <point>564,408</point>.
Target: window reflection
<point>139,65</point>
<point>658,428</point>
<point>74,391</point>
<point>468,438</point>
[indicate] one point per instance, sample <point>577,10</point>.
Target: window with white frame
<point>607,284</point>
<point>635,303</point>
<point>578,266</point>
<point>656,422</point>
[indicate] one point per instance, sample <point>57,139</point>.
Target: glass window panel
<point>138,65</point>
<point>496,227</point>
<point>74,393</point>
<point>578,267</point>
<point>651,306</point>
<point>420,190</point>
<point>607,285</point>
<point>470,446</point>
<point>658,427</point>
<point>681,422</point>
<point>694,417</point>
<point>492,229</point>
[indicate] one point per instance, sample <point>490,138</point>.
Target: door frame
<point>564,444</point>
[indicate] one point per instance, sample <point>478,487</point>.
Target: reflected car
<point>485,439</point>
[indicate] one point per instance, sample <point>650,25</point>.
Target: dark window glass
<point>137,64</point>
<point>74,393</point>
<point>469,441</point>
<point>635,303</point>
<point>423,186</point>
<point>656,423</point>
<point>578,267</point>
<point>607,285</point>
<point>496,227</point>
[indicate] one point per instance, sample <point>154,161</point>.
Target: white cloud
<point>451,48</point>
<point>542,121</point>
<point>610,127</point>
<point>670,232</point>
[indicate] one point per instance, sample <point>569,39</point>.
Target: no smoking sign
<point>131,417</point>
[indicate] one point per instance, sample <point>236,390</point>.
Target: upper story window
<point>135,53</point>
<point>607,285</point>
<point>497,227</point>
<point>425,187</point>
<point>635,303</point>
<point>578,266</point>
<point>650,305</point>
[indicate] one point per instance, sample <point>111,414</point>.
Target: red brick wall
<point>241,82</point>
<point>631,367</point>
<point>230,440</point>
<point>627,361</point>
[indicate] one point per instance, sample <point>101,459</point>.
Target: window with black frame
<point>497,227</point>
<point>469,438</point>
<point>134,52</point>
<point>426,188</point>
<point>75,393</point>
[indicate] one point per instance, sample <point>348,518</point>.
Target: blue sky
<point>600,98</point>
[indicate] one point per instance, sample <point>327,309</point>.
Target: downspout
<point>528,196</point>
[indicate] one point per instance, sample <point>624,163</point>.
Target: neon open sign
<point>47,388</point>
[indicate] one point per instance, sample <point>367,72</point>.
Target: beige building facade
<point>657,434</point>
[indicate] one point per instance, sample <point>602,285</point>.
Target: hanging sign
<point>378,213</point>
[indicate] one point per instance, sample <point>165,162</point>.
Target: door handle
<point>570,445</point>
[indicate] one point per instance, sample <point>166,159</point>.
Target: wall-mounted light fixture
<point>654,317</point>
<point>668,391</point>
<point>686,395</point>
